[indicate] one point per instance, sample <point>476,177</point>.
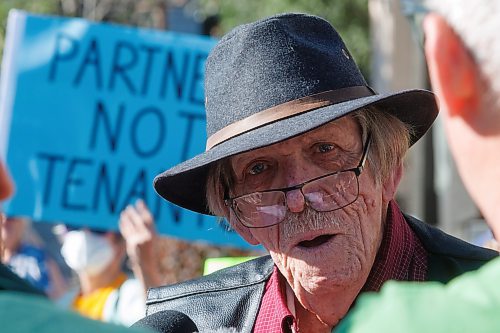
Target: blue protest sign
<point>90,113</point>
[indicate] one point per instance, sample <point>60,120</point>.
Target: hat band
<point>285,110</point>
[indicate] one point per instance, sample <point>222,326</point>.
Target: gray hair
<point>390,141</point>
<point>477,22</point>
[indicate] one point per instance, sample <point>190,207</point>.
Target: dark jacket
<point>231,297</point>
<point>9,281</point>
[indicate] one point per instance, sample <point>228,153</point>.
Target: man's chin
<point>323,279</point>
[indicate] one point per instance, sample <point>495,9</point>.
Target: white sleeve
<point>126,305</point>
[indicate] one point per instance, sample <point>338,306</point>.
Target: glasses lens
<point>332,192</point>
<point>260,209</point>
<point>264,209</point>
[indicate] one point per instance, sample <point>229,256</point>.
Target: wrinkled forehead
<point>343,131</point>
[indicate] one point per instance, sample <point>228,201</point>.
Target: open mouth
<point>320,240</point>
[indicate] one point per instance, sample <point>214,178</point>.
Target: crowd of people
<point>105,292</point>
<point>304,158</point>
<point>106,289</point>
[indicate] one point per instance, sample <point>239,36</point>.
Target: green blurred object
<point>469,303</point>
<point>214,264</point>
<point>25,313</point>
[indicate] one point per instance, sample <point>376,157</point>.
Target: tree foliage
<point>42,6</point>
<point>145,13</point>
<point>349,17</point>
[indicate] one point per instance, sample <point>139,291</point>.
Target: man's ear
<point>451,68</point>
<point>390,185</point>
<point>243,231</point>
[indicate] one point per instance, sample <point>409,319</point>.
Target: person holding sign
<point>138,229</point>
<point>106,292</point>
<point>303,158</point>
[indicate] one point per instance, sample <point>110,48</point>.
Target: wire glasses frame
<point>326,193</point>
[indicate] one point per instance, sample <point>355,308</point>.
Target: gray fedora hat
<point>273,79</point>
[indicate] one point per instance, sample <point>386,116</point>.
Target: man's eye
<point>257,168</point>
<point>325,148</point>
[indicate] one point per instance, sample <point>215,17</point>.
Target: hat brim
<point>185,183</point>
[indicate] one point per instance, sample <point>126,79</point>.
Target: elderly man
<point>463,55</point>
<point>303,158</point>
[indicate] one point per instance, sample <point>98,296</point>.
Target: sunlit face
<point>325,257</point>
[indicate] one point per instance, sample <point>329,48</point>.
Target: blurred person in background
<point>24,309</point>
<point>28,259</point>
<point>8,279</point>
<point>105,291</point>
<point>462,48</point>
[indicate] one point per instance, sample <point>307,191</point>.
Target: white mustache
<point>307,220</point>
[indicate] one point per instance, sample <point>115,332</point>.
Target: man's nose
<point>295,201</point>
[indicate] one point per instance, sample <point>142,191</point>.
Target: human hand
<point>138,229</point>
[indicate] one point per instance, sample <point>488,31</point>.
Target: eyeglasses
<point>415,11</point>
<point>326,193</point>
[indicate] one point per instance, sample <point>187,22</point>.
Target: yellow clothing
<point>92,305</point>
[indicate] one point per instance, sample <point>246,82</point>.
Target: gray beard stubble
<point>307,220</point>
